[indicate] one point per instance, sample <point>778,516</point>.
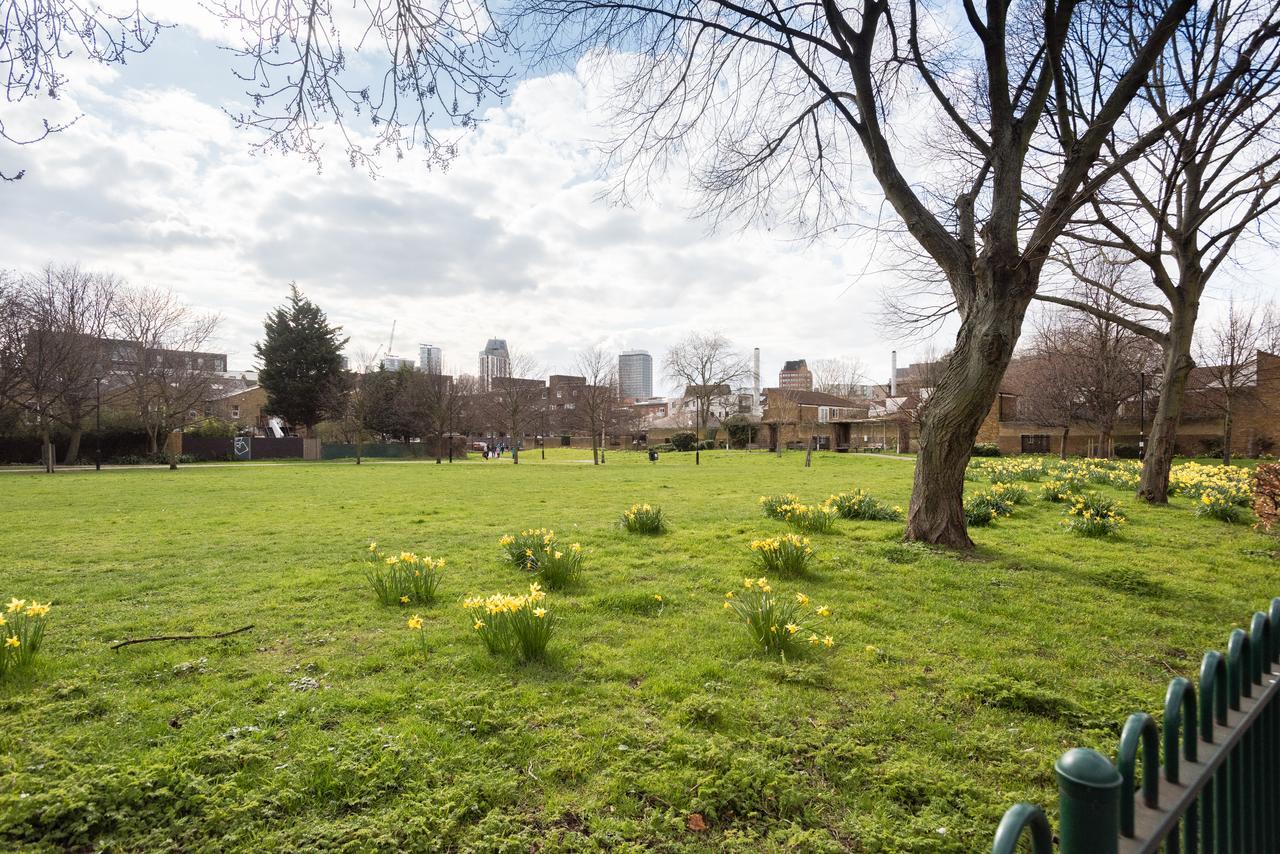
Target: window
<point>235,410</point>
<point>1035,444</point>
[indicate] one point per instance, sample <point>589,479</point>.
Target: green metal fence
<point>1218,791</point>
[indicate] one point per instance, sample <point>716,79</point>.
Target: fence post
<point>1088,803</point>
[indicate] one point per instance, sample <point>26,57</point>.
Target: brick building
<point>795,374</point>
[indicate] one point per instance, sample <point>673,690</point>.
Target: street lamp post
<point>97,427</point>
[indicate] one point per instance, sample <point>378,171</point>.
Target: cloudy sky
<point>156,184</point>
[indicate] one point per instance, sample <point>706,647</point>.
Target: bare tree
<point>707,365</point>
<point>770,105</point>
<point>40,38</point>
<point>349,402</point>
<point>443,398</point>
<point>1051,377</point>
<point>424,65</point>
<point>1228,352</point>
<point>84,303</point>
<point>598,396</point>
<point>517,401</point>
<point>839,376</point>
<point>161,356</point>
<point>13,328</point>
<point>1183,207</point>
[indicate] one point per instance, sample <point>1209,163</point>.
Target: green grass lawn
<point>323,729</point>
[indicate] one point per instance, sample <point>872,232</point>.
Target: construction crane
<point>391,345</point>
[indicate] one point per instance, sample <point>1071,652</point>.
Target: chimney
<point>893,374</point>
<point>755,382</point>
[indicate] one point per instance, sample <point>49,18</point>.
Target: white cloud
<point>512,240</point>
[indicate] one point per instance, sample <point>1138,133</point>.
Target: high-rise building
<point>795,374</point>
<point>495,361</point>
<point>635,374</point>
<point>429,359</point>
<point>395,363</point>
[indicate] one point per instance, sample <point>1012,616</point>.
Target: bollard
<point>1088,803</point>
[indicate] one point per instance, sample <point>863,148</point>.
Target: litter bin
<point>653,455</point>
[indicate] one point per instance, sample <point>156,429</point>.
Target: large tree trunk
<point>73,446</point>
<point>1157,458</point>
<point>1062,449</point>
<point>595,449</point>
<point>950,423</point>
<point>46,447</point>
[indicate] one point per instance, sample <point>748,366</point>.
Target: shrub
<point>1128,452</point>
<point>1093,515</point>
<point>22,628</point>
<point>986,449</point>
<point>772,504</point>
<point>644,519</point>
<point>818,519</point>
<point>212,428</point>
<point>860,505</point>
<point>519,626</point>
<point>684,441</point>
<point>404,578</point>
<point>978,515</point>
<point>1266,496</point>
<point>787,555</point>
<point>776,623</point>
<point>706,445</point>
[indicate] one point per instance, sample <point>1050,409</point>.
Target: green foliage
<point>811,518</point>
<point>402,579</point>
<point>861,505</point>
<point>788,555</point>
<point>643,519</point>
<point>301,359</point>
<point>983,508</point>
<point>986,449</point>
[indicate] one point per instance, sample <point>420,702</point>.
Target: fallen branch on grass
<point>129,641</point>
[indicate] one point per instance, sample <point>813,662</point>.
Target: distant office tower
<point>495,361</point>
<point>635,374</point>
<point>395,363</point>
<point>428,359</point>
<point>795,374</point>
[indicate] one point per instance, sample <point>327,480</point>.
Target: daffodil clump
<point>789,554</point>
<point>772,504</point>
<point>1226,484</point>
<point>1219,504</point>
<point>813,519</point>
<point>644,519</point>
<point>519,626</point>
<point>415,625</point>
<point>1093,515</point>
<point>404,578</point>
<point>983,508</point>
<point>22,629</point>
<point>1004,471</point>
<point>861,505</point>
<point>1058,491</point>
<point>537,550</point>
<point>1011,492</point>
<point>778,624</point>
<point>523,549</point>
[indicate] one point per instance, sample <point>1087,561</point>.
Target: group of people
<point>495,451</point>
